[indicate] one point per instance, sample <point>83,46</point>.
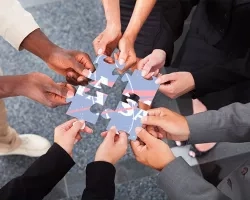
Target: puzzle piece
<point>105,72</point>
<point>126,117</point>
<point>145,89</point>
<point>84,107</point>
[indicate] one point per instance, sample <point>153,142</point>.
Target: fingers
<point>76,127</point>
<point>158,112</point>
<point>123,138</point>
<point>147,68</point>
<point>66,125</point>
<point>166,78</point>
<point>76,79</point>
<point>153,121</point>
<point>97,48</point>
<point>110,135</point>
<point>145,136</point>
<point>142,63</point>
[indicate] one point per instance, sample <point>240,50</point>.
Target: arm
<point>16,22</point>
<point>140,14</point>
<point>41,176</point>
<point>112,13</point>
<point>228,124</point>
<point>179,176</point>
<point>99,181</point>
<point>219,77</point>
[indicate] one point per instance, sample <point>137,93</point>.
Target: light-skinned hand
<point>151,65</point>
<point>113,147</point>
<point>127,54</point>
<point>107,41</point>
<point>164,123</point>
<point>151,151</point>
<point>68,134</point>
<point>176,84</point>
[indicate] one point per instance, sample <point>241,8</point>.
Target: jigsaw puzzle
<point>126,117</point>
<point>114,97</point>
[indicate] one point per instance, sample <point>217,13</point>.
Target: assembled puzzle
<point>125,114</point>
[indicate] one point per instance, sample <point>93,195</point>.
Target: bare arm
<point>112,13</point>
<point>140,14</point>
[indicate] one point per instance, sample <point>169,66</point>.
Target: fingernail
<point>143,73</point>
<point>157,81</point>
<point>70,94</point>
<point>99,51</point>
<point>121,61</point>
<point>144,119</point>
<point>86,73</point>
<point>75,141</point>
<point>80,79</point>
<point>138,129</point>
<point>113,127</point>
<point>83,122</point>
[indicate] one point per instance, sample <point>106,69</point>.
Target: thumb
<point>123,55</point>
<point>102,45</point>
<point>153,121</point>
<point>77,126</point>
<point>145,137</point>
<point>60,89</point>
<point>123,138</point>
<point>166,78</point>
<point>110,135</point>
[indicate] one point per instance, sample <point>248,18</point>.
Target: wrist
<point>20,85</point>
<point>170,159</point>
<point>114,26</point>
<point>191,82</point>
<point>38,44</point>
<point>104,160</point>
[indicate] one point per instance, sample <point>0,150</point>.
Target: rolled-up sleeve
<point>15,22</point>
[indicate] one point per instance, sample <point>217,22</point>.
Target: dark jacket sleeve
<point>41,176</point>
<point>180,181</point>
<point>100,184</point>
<point>228,124</point>
<point>220,77</point>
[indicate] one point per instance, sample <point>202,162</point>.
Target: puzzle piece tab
<point>84,107</point>
<point>126,117</point>
<point>105,72</point>
<point>145,89</point>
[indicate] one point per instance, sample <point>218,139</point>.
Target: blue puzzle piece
<point>126,117</point>
<point>83,107</point>
<point>145,89</point>
<point>105,72</point>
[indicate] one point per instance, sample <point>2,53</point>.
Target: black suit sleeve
<point>100,184</point>
<point>220,77</point>
<point>41,176</point>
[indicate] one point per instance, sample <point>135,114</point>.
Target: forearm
<point>41,176</point>
<point>39,44</point>
<point>140,14</point>
<point>179,176</point>
<point>16,22</point>
<point>12,85</point>
<point>112,13</point>
<point>100,184</point>
<point>228,124</point>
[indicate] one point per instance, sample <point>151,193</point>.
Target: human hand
<point>152,64</point>
<point>164,123</point>
<point>75,65</point>
<point>44,90</point>
<point>106,42</point>
<point>176,84</point>
<point>151,151</point>
<point>113,148</point>
<point>72,64</point>
<point>68,134</point>
<point>127,54</point>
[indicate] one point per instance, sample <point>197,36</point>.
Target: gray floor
<point>73,24</point>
